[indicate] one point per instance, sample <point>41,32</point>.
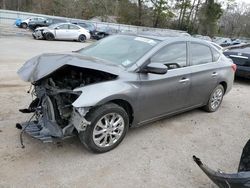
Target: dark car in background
<point>223,41</point>
<point>43,23</point>
<point>102,32</point>
<point>24,23</point>
<point>87,25</point>
<point>240,55</point>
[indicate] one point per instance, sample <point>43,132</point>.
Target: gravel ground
<point>155,155</point>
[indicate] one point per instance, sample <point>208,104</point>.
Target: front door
<point>165,94</point>
<point>74,32</point>
<point>62,31</point>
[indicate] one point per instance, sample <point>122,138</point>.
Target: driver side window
<point>173,55</point>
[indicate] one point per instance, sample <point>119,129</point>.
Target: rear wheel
<point>109,125</point>
<point>82,38</point>
<point>49,36</point>
<point>215,99</point>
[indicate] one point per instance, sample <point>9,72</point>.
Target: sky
<point>246,1</point>
<point>239,1</point>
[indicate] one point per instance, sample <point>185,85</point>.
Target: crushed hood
<point>41,66</point>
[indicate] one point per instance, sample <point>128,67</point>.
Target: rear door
<point>167,93</point>
<point>204,75</point>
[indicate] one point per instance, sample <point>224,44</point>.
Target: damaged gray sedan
<point>119,82</point>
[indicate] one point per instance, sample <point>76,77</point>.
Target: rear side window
<point>173,55</point>
<point>216,54</point>
<point>73,27</point>
<point>200,54</point>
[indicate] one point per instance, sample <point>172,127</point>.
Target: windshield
<point>120,49</point>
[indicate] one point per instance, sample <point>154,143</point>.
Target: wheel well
<point>126,106</point>
<point>224,84</point>
<point>82,35</point>
<point>49,33</point>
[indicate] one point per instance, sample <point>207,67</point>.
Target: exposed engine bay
<point>54,115</point>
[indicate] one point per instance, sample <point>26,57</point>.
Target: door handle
<point>183,80</point>
<point>214,74</point>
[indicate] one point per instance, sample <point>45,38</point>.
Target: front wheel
<point>215,99</point>
<point>109,125</point>
<point>49,36</point>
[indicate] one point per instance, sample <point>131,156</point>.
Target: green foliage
<point>161,12</point>
<point>194,16</point>
<point>209,14</point>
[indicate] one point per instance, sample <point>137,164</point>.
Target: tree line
<point>205,17</point>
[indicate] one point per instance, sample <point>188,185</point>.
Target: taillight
<point>234,67</point>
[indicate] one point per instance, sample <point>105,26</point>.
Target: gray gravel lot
<point>155,155</point>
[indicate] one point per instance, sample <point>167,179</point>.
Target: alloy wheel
<point>108,130</point>
<point>216,98</point>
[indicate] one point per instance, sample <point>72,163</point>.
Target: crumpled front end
<point>39,34</point>
<point>235,180</point>
<point>54,116</point>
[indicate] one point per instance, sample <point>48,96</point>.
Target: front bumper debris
<point>35,131</point>
<point>43,125</point>
<point>79,122</point>
<point>38,34</point>
<point>235,180</point>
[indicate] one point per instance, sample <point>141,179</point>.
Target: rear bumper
<point>243,71</point>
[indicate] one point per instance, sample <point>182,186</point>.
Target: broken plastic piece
<point>236,180</point>
<point>25,110</point>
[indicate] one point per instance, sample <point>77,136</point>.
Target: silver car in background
<point>119,82</point>
<point>62,31</point>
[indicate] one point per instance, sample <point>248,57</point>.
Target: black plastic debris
<point>241,179</point>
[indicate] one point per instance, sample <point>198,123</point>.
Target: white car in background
<point>62,31</point>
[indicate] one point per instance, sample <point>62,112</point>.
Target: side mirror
<point>56,28</point>
<point>156,68</point>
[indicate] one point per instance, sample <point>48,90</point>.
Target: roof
<point>156,35</point>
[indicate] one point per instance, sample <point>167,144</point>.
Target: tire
<point>82,38</point>
<point>24,25</point>
<point>215,99</point>
<point>105,139</point>
<point>49,36</point>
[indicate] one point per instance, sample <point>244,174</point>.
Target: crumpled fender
<point>100,93</point>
